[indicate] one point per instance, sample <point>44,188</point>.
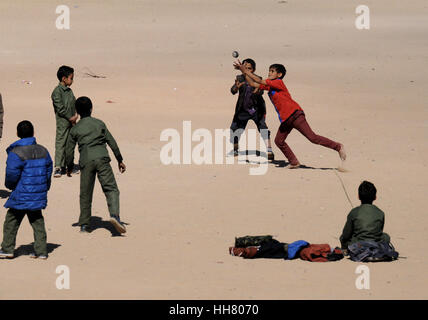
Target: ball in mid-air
<point>235,54</point>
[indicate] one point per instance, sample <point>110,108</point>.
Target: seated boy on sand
<point>364,223</point>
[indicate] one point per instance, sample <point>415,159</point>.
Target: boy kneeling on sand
<point>28,174</point>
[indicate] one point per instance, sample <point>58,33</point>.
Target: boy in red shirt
<point>290,114</point>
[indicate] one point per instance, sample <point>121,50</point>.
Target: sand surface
<point>170,61</point>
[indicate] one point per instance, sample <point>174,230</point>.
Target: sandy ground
<point>365,88</point>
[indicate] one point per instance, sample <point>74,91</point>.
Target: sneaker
<point>5,255</point>
<point>57,173</point>
<point>76,169</point>
<point>115,221</point>
<point>84,228</point>
<point>271,156</point>
<point>34,256</point>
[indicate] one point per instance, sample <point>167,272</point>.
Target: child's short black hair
<point>25,129</point>
<point>84,106</point>
<point>279,68</point>
<point>367,192</point>
<point>250,61</point>
<point>64,71</point>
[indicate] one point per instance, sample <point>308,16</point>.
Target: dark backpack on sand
<point>370,251</point>
<point>252,241</point>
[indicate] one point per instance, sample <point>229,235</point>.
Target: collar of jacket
<point>65,88</point>
<point>21,142</point>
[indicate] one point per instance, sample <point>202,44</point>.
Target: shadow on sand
<point>277,163</point>
<point>283,163</point>
<point>99,223</point>
<point>26,249</point>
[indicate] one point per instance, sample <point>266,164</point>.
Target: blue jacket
<point>295,247</point>
<point>28,174</point>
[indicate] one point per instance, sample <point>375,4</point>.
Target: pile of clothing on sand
<point>265,246</point>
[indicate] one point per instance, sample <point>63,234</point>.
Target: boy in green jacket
<point>92,135</point>
<point>365,222</point>
<point>65,113</point>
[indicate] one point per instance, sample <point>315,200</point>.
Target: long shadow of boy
<point>99,223</point>
<point>27,249</point>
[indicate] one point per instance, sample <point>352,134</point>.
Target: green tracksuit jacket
<point>63,101</point>
<point>365,222</point>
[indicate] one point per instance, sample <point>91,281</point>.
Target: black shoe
<point>115,221</point>
<point>84,228</point>
<point>235,149</point>
<point>63,170</point>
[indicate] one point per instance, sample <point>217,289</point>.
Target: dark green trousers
<point>11,225</point>
<point>63,128</point>
<point>101,168</point>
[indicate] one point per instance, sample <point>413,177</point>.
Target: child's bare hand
<point>238,84</point>
<point>122,167</point>
<point>73,119</point>
<point>239,66</point>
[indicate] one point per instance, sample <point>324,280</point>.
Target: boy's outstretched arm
<point>115,148</point>
<point>251,78</point>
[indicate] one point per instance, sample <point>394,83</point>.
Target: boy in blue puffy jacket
<point>28,175</point>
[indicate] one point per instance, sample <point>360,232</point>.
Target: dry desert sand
<point>170,61</point>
